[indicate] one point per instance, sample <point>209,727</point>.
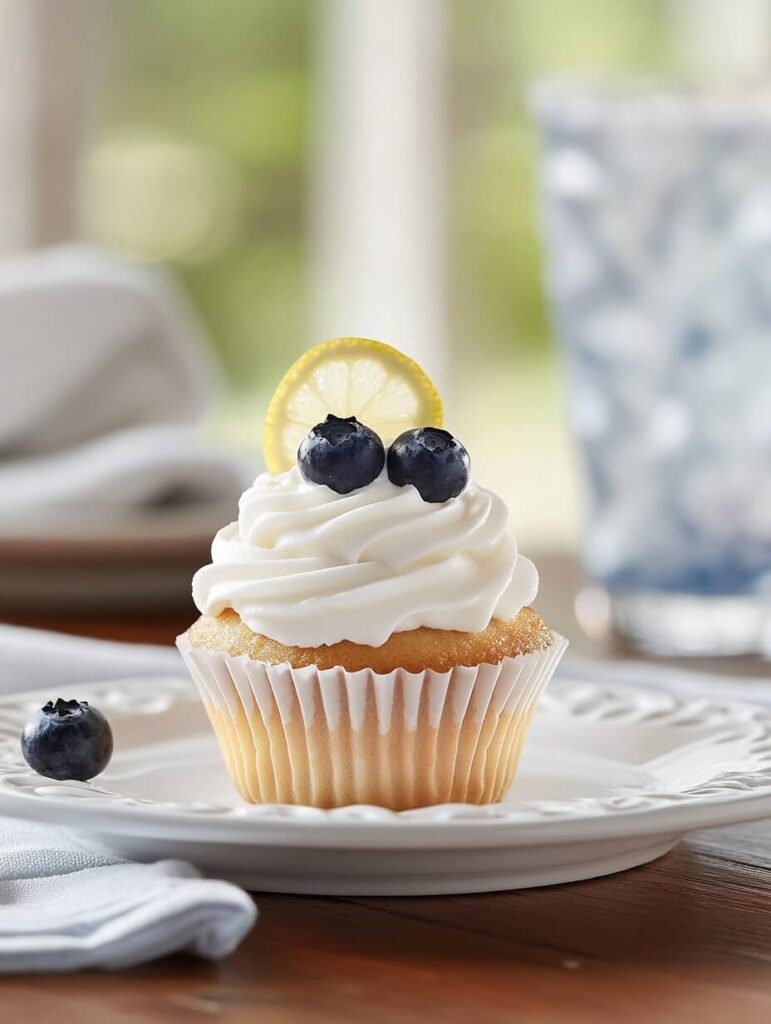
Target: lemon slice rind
<point>385,389</point>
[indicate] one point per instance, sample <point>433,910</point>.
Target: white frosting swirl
<point>307,566</point>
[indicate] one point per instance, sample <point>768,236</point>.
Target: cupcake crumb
<point>414,650</point>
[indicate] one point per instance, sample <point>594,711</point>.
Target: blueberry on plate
<point>341,453</point>
<point>67,739</point>
<point>430,459</point>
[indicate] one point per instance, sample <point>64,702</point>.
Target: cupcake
<point>366,635</point>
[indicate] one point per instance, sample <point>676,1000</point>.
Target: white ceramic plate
<point>611,778</point>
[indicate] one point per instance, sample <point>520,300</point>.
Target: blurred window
<point>301,189</point>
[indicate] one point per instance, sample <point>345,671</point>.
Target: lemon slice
<point>374,382</point>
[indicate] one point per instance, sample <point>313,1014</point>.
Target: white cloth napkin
<point>34,659</point>
<point>63,907</point>
<point>106,374</point>
<point>135,468</point>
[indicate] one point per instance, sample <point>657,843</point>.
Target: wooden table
<point>686,939</point>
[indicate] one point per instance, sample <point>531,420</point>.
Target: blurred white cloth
<point>34,659</point>
<point>106,374</point>
<point>134,468</point>
<point>63,907</point>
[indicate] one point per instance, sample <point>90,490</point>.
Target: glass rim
<point>583,101</point>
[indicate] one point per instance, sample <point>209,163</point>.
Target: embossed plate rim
<point>742,793</point>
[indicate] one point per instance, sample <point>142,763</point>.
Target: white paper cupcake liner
<point>330,737</point>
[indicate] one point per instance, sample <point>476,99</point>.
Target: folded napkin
<point>141,467</point>
<point>106,374</point>
<point>91,344</point>
<point>63,907</point>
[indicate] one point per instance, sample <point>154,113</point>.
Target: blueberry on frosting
<point>430,459</point>
<point>341,453</point>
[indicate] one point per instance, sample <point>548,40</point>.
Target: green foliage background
<point>235,78</point>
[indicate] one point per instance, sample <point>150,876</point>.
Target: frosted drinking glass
<point>656,212</point>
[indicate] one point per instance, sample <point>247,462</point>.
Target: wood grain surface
<point>686,939</point>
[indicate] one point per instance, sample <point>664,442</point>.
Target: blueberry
<point>341,453</point>
<point>67,740</point>
<point>431,460</point>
